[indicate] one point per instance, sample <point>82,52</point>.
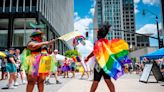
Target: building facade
<point>18,18</point>
<point>162,12</point>
<point>120,14</point>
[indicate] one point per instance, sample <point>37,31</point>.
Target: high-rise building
<point>162,12</point>
<point>129,22</point>
<point>110,11</point>
<point>19,17</point>
<point>120,14</point>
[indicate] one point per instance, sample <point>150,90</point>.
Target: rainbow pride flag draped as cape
<point>111,55</point>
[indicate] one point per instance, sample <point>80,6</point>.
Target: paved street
<point>127,83</point>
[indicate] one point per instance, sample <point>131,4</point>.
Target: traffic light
<point>160,44</point>
<point>86,35</point>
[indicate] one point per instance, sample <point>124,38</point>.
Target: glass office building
<point>120,14</point>
<point>17,18</point>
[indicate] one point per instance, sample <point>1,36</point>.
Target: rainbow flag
<point>111,55</point>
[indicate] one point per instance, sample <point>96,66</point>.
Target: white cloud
<point>136,6</point>
<point>136,1</point>
<point>86,49</point>
<point>151,2</point>
<point>149,29</point>
<point>94,3</point>
<point>76,16</point>
<point>82,24</point>
<point>92,10</point>
<point>135,9</point>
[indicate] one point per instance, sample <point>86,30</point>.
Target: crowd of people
<point>40,64</point>
<point>13,68</point>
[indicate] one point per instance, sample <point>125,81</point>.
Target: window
<point>22,31</point>
<point>7,5</point>
<point>14,3</point>
<point>3,32</point>
<point>34,5</point>
<point>27,5</point>
<point>20,6</point>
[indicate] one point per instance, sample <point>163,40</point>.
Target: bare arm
<point>89,56</point>
<point>12,60</point>
<point>34,46</point>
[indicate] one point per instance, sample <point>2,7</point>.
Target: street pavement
<point>127,83</point>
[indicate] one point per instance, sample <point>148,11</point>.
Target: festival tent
<point>60,57</point>
<point>154,55</point>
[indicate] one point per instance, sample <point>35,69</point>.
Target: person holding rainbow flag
<point>37,63</point>
<point>109,57</point>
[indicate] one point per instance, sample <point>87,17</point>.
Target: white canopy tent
<point>60,57</point>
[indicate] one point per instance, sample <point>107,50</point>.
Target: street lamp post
<point>156,17</point>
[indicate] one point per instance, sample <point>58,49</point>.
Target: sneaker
<point>9,86</point>
<point>48,83</point>
<point>24,82</point>
<point>16,84</point>
<point>58,82</point>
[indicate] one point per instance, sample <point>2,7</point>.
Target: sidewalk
<point>127,83</point>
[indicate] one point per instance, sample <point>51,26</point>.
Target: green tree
<point>70,53</point>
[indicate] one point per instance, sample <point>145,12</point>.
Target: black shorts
<point>72,69</point>
<point>3,69</point>
<point>98,75</point>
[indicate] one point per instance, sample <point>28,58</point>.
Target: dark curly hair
<point>103,30</point>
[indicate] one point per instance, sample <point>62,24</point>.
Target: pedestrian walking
<point>54,68</point>
<point>4,74</point>
<point>11,68</point>
<point>98,72</point>
<point>66,68</point>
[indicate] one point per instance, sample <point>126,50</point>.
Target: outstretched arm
<point>89,56</point>
<point>34,46</point>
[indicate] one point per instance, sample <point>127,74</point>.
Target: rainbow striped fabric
<point>111,55</point>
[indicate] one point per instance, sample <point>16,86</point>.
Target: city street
<point>127,83</point>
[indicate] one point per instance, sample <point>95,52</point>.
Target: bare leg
<point>2,77</point>
<point>73,74</point>
<point>11,79</point>
<point>110,85</point>
<point>31,83</point>
<point>64,74</point>
<point>82,75</point>
<point>94,86</point>
<point>87,74</point>
<point>67,74</point>
<point>41,83</point>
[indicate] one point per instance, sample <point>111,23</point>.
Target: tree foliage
<point>70,53</point>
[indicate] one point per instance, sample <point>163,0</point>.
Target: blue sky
<point>84,9</point>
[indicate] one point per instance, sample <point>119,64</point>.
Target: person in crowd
<point>35,46</point>
<point>66,68</point>
<point>19,69</point>
<point>138,67</point>
<point>86,69</point>
<point>130,68</point>
<point>4,74</point>
<point>162,66</point>
<point>73,67</point>
<point>99,72</point>
<point>54,70</point>
<point>11,68</point>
